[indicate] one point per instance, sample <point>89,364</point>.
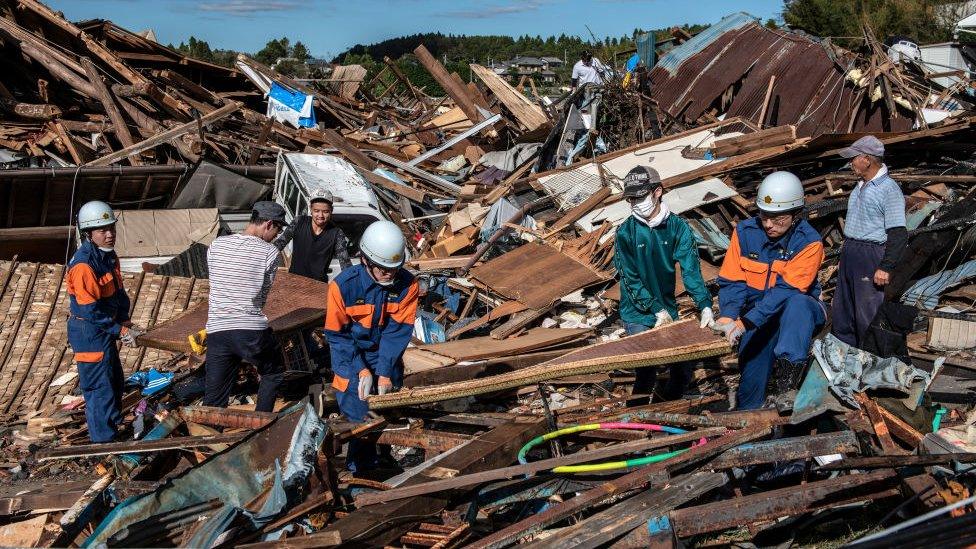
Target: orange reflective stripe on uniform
<point>335,309</point>
<point>83,285</point>
<point>405,312</point>
<point>363,314</point>
<point>107,285</point>
<point>90,356</point>
<point>801,271</point>
<point>339,383</point>
<point>754,273</point>
<point>731,268</point>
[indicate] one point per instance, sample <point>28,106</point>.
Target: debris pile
<point>517,422</point>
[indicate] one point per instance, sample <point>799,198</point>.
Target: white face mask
<point>645,207</point>
<point>106,249</point>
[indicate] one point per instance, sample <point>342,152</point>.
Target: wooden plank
<point>772,137</point>
<point>137,446</point>
<point>411,193</point>
<point>457,92</point>
<point>167,135</point>
<point>629,481</point>
<point>676,342</point>
<point>622,517</point>
<point>878,422</point>
<point>379,525</point>
<point>514,471</point>
<point>111,109</point>
<point>528,114</point>
<point>347,149</point>
<point>476,348</point>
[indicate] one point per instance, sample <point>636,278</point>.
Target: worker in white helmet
<point>369,319</point>
<point>99,316</point>
<point>769,296</point>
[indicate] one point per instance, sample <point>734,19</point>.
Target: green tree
<point>919,20</point>
<point>300,52</point>
<point>273,50</point>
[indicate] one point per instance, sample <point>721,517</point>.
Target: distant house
<point>552,61</point>
<point>548,77</point>
<point>533,64</point>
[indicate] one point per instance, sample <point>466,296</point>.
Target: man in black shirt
<point>316,240</point>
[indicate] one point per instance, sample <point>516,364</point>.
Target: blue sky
<point>330,26</point>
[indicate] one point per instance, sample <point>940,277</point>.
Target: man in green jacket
<point>648,245</point>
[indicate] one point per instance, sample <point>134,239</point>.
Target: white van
<point>355,205</point>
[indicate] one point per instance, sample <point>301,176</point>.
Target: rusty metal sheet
<point>810,90</point>
<point>292,302</point>
<point>536,275</point>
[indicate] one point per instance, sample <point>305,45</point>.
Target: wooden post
<point>765,105</point>
<point>458,93</point>
<point>111,109</point>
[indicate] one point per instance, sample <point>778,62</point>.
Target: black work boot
<point>784,383</point>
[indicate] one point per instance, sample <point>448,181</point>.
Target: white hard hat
<point>321,194</point>
<point>779,192</point>
<point>95,214</point>
<point>383,243</point>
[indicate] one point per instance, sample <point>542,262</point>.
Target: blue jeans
<point>646,378</point>
<point>787,337</point>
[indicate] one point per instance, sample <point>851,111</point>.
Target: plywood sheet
<point>476,348</point>
<point>293,301</point>
<point>536,274</point>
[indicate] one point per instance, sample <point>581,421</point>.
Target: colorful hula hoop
<point>608,465</point>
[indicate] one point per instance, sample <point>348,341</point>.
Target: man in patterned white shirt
<point>242,269</point>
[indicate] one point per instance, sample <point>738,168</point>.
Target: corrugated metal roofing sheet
<point>673,59</point>
<point>732,72</point>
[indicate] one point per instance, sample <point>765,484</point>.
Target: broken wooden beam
<point>635,479</point>
<point>886,462</point>
<point>677,342</point>
<point>136,446</point>
<point>602,528</point>
<point>371,498</point>
<point>167,135</point>
<point>457,92</point>
<point>772,137</point>
<point>111,109</point>
<point>783,502</point>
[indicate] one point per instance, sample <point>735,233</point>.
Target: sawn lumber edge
<point>544,372</point>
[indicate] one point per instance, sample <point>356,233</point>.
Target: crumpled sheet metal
<point>850,370</point>
<point>235,476</point>
<point>925,292</point>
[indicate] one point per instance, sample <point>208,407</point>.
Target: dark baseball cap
<point>640,181</point>
<point>271,211</point>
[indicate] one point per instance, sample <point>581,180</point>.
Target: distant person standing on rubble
<point>647,247</point>
<point>242,269</point>
<point>874,239</point>
<point>588,70</point>
<point>370,313</point>
<point>99,316</point>
<point>769,296</point>
<point>315,239</point>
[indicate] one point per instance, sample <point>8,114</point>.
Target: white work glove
<point>129,334</point>
<point>707,318</point>
<point>732,329</point>
<point>384,386</point>
<point>663,317</point>
<point>365,384</point>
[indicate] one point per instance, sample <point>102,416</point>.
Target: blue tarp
<point>293,100</point>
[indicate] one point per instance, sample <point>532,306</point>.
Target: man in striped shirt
<point>242,269</point>
<point>874,239</point>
